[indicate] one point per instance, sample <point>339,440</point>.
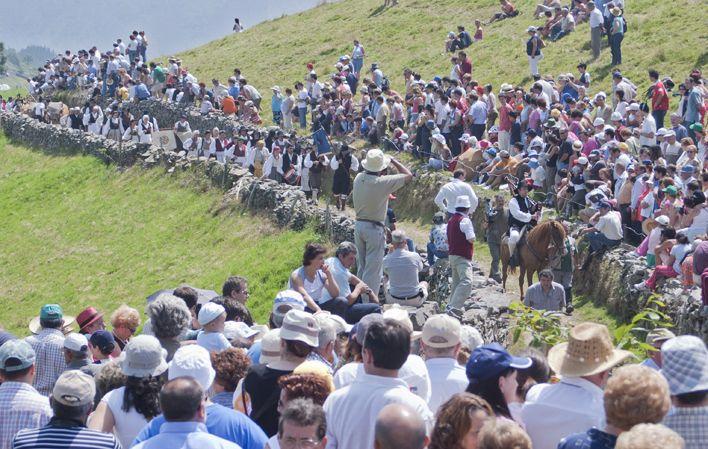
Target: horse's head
<point>557,235</point>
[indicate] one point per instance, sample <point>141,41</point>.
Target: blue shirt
<point>592,439</point>
<point>225,423</point>
<point>254,353</point>
<point>234,91</point>
<point>141,92</point>
<point>185,435</point>
<point>275,102</point>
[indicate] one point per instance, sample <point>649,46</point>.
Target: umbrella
<point>204,295</point>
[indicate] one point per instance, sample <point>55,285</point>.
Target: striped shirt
<point>21,407</point>
<point>48,344</point>
<point>64,435</point>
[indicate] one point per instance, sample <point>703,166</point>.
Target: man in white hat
<point>371,191</point>
<point>299,336</point>
<point>448,193</point>
<point>685,366</point>
<point>192,361</point>
<point>460,237</point>
<point>575,404</point>
<point>78,355</point>
<point>401,268</point>
<point>440,345</point>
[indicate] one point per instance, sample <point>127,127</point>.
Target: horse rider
<point>523,212</point>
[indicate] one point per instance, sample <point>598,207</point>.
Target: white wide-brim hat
<point>375,161</point>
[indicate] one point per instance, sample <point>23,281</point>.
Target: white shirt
<point>127,424</point>
<point>446,197</point>
<point>552,412</point>
<point>351,412</point>
<point>414,373</point>
<point>648,126</point>
<point>517,213</point>
<point>610,225</point>
<point>595,19</point>
<point>447,377</point>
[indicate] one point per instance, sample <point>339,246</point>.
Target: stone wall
<point>609,280</point>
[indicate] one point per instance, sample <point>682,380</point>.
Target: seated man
<point>545,294</point>
<point>606,231</point>
<point>507,10</point>
<point>402,267</point>
<point>461,40</point>
<point>564,26</point>
<point>437,246</point>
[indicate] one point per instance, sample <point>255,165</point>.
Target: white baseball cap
<point>398,313</point>
<point>76,342</point>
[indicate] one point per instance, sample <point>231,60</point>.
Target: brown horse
<point>536,249</point>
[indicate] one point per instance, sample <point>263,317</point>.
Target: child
<point>212,318</point>
<point>584,78</point>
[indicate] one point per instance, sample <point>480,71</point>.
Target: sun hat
<point>143,356</point>
<point>261,330</point>
<point>76,342</point>
<point>598,122</point>
<point>238,329</point>
<point>300,326</point>
<point>531,29</point>
<point>363,325</point>
<point>376,160</point>
<point>74,389</point>
<point>439,138</point>
<point>192,361</point>
<point>441,331</point>
<point>577,145</point>
<point>488,361</point>
<point>270,347</point>
<point>19,353</point>
<point>583,160</point>
<point>51,312</point>
<point>339,323</point>
<point>670,133</point>
<point>660,334</point>
<point>209,312</point>
<point>284,301</point>
<point>398,313</point>
<point>275,88</point>
<point>685,364</point>
<point>616,11</point>
<point>616,117</point>
<point>463,201</point>
<point>493,130</point>
<point>589,350</point>
<point>87,317</point>
<point>103,340</point>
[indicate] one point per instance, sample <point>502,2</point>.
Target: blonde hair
<point>636,394</point>
<point>650,436</point>
<point>503,434</point>
<point>125,316</point>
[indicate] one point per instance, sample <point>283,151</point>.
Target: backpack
<point>385,84</point>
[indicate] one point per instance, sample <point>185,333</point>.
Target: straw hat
<point>375,160</point>
<point>589,351</point>
<point>67,328</point>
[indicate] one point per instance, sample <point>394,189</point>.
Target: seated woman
<point>507,10</point>
<point>313,277</point>
<point>673,266</point>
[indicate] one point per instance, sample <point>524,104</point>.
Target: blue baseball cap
<point>488,361</point>
<point>51,312</point>
<point>102,339</point>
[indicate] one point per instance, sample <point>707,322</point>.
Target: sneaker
<point>642,287</point>
<point>453,312</point>
<point>569,309</point>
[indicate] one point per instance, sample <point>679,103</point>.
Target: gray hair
<point>328,333</point>
<point>345,248</point>
<point>545,274</point>
<point>304,413</point>
<point>169,316</point>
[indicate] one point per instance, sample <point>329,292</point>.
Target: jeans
<point>302,114</point>
<point>435,254</point>
<point>659,117</point>
<point>358,63</point>
<point>461,281</point>
<point>351,313</point>
<point>616,48</point>
<point>478,130</point>
<point>598,241</point>
<point>370,241</point>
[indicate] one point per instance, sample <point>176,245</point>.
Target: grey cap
<point>16,355</point>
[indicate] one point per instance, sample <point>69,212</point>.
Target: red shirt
<point>504,121</point>
<point>659,98</point>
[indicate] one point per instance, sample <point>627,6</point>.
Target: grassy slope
<point>665,35</point>
<point>79,233</point>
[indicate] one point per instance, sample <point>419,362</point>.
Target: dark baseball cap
<point>488,361</point>
<point>102,339</point>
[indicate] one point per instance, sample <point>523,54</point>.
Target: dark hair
<point>668,233</point>
<point>304,413</point>
<point>14,375</point>
<point>453,420</point>
<point>681,238</point>
<point>539,372</point>
<point>457,173</point>
<point>235,311</point>
<point>488,389</point>
<point>142,394</point>
<point>690,399</point>
<point>188,295</point>
<point>51,324</point>
<point>68,412</point>
<point>653,74</point>
<point>297,348</point>
<point>312,250</point>
<point>389,342</point>
<point>181,398</point>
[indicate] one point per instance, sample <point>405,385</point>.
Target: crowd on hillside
<point>339,363</point>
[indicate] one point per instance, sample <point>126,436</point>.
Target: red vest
<point>456,239</point>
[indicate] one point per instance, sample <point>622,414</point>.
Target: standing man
<point>460,237</point>
<point>596,29</point>
<point>659,99</point>
<point>48,345</point>
<point>563,267</point>
<point>440,344</point>
<point>21,406</point>
<point>372,188</point>
<point>448,194</point>
<point>496,225</point>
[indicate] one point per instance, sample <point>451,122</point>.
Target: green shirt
<point>158,75</point>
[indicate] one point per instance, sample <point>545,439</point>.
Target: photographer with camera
<point>495,225</point>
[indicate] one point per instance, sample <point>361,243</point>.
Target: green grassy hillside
<point>79,233</point>
<point>668,36</point>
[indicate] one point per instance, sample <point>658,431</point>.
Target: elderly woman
<point>459,421</point>
<point>231,366</point>
<point>125,321</point>
<point>169,319</point>
<point>650,436</point>
<point>634,395</point>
